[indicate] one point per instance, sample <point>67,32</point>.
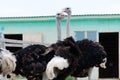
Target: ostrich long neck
<point>58,28</point>
<point>68,25</point>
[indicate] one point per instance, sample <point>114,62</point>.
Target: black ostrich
<point>65,61</point>
<point>29,62</point>
<point>93,55</point>
<point>75,58</point>
<point>32,61</point>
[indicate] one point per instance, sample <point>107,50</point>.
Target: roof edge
<point>52,17</point>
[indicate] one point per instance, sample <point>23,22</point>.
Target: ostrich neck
<point>68,25</point>
<point>58,29</point>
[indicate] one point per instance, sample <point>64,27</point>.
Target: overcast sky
<point>51,7</point>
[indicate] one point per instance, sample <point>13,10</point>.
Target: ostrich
<point>94,54</point>
<point>68,11</point>
<point>29,62</point>
<point>75,61</point>
<point>7,63</point>
<point>32,61</point>
<point>85,71</point>
<point>65,61</point>
<point>59,16</point>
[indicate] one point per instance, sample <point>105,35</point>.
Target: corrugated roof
<point>28,18</point>
<point>99,16</point>
<point>49,18</point>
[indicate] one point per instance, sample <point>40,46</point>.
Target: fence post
<point>2,43</point>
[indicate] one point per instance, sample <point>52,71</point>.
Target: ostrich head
<point>59,15</point>
<point>7,62</point>
<point>67,10</point>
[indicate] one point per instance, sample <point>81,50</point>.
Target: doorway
<point>110,41</point>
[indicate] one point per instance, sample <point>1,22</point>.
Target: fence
<point>17,43</point>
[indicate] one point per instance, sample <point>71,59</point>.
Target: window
<point>92,35</point>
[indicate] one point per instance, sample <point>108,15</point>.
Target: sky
<point>14,8</point>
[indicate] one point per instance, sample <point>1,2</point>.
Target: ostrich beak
<point>67,9</point>
<point>62,15</point>
<point>64,10</point>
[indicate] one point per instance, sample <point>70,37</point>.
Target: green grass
<point>18,78</point>
<point>70,78</point>
<point>21,78</point>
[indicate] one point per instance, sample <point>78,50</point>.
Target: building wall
<point>49,31</point>
<point>46,29</point>
<point>100,25</point>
